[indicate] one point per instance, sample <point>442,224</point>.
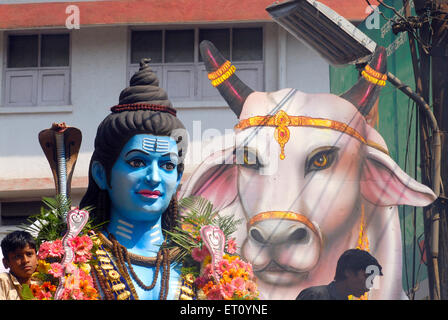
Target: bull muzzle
<point>283,246</point>
<point>298,232</point>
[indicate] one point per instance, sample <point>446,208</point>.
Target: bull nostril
<point>299,235</point>
<point>257,236</point>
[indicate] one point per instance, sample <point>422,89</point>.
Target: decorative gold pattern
<point>363,241</point>
<point>113,275</point>
<point>224,77</point>
<point>281,134</point>
<point>222,74</point>
<point>186,288</point>
<point>106,268</point>
<point>363,244</point>
<point>373,76</point>
<point>104,259</point>
<point>221,70</point>
<point>281,121</point>
<point>375,73</point>
<point>124,295</point>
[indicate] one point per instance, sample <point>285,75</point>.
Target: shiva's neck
<point>139,237</point>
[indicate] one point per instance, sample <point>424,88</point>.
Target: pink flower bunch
<point>199,254</point>
<point>236,280</point>
<point>78,283</point>
<point>53,249</point>
<point>231,246</point>
<point>82,247</point>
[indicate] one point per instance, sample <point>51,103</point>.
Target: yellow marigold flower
<point>85,267</point>
<point>43,266</point>
<point>207,260</point>
<point>87,289</point>
<point>227,277</point>
<point>229,257</point>
<point>234,272</point>
<point>239,293</point>
<point>207,287</point>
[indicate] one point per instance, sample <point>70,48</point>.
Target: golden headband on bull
<point>281,121</point>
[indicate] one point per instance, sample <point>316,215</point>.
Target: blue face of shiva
<point>144,177</point>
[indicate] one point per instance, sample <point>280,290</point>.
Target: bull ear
<point>384,183</point>
<point>214,179</point>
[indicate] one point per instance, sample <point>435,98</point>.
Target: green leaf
<point>27,294</point>
<point>50,223</point>
<point>197,212</point>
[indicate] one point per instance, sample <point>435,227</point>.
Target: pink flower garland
<point>78,284</point>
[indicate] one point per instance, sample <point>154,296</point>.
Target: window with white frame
<point>176,60</point>
<point>37,70</point>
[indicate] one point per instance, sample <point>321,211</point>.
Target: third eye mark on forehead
<point>155,145</point>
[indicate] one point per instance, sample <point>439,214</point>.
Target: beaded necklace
<point>114,283</point>
<point>124,261</point>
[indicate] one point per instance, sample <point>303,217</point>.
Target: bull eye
<point>321,159</point>
<point>248,158</point>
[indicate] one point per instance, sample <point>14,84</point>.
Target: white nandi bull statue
<point>328,183</point>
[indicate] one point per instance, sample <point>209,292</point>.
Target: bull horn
<point>223,77</point>
<point>366,91</point>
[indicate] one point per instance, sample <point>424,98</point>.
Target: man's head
<point>19,254</point>
<point>354,267</point>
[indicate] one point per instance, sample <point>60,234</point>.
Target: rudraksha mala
<point>122,255</point>
<point>143,106</point>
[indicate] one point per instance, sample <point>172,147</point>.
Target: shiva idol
<point>134,173</point>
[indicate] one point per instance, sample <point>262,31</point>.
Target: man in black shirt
<point>353,269</point>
